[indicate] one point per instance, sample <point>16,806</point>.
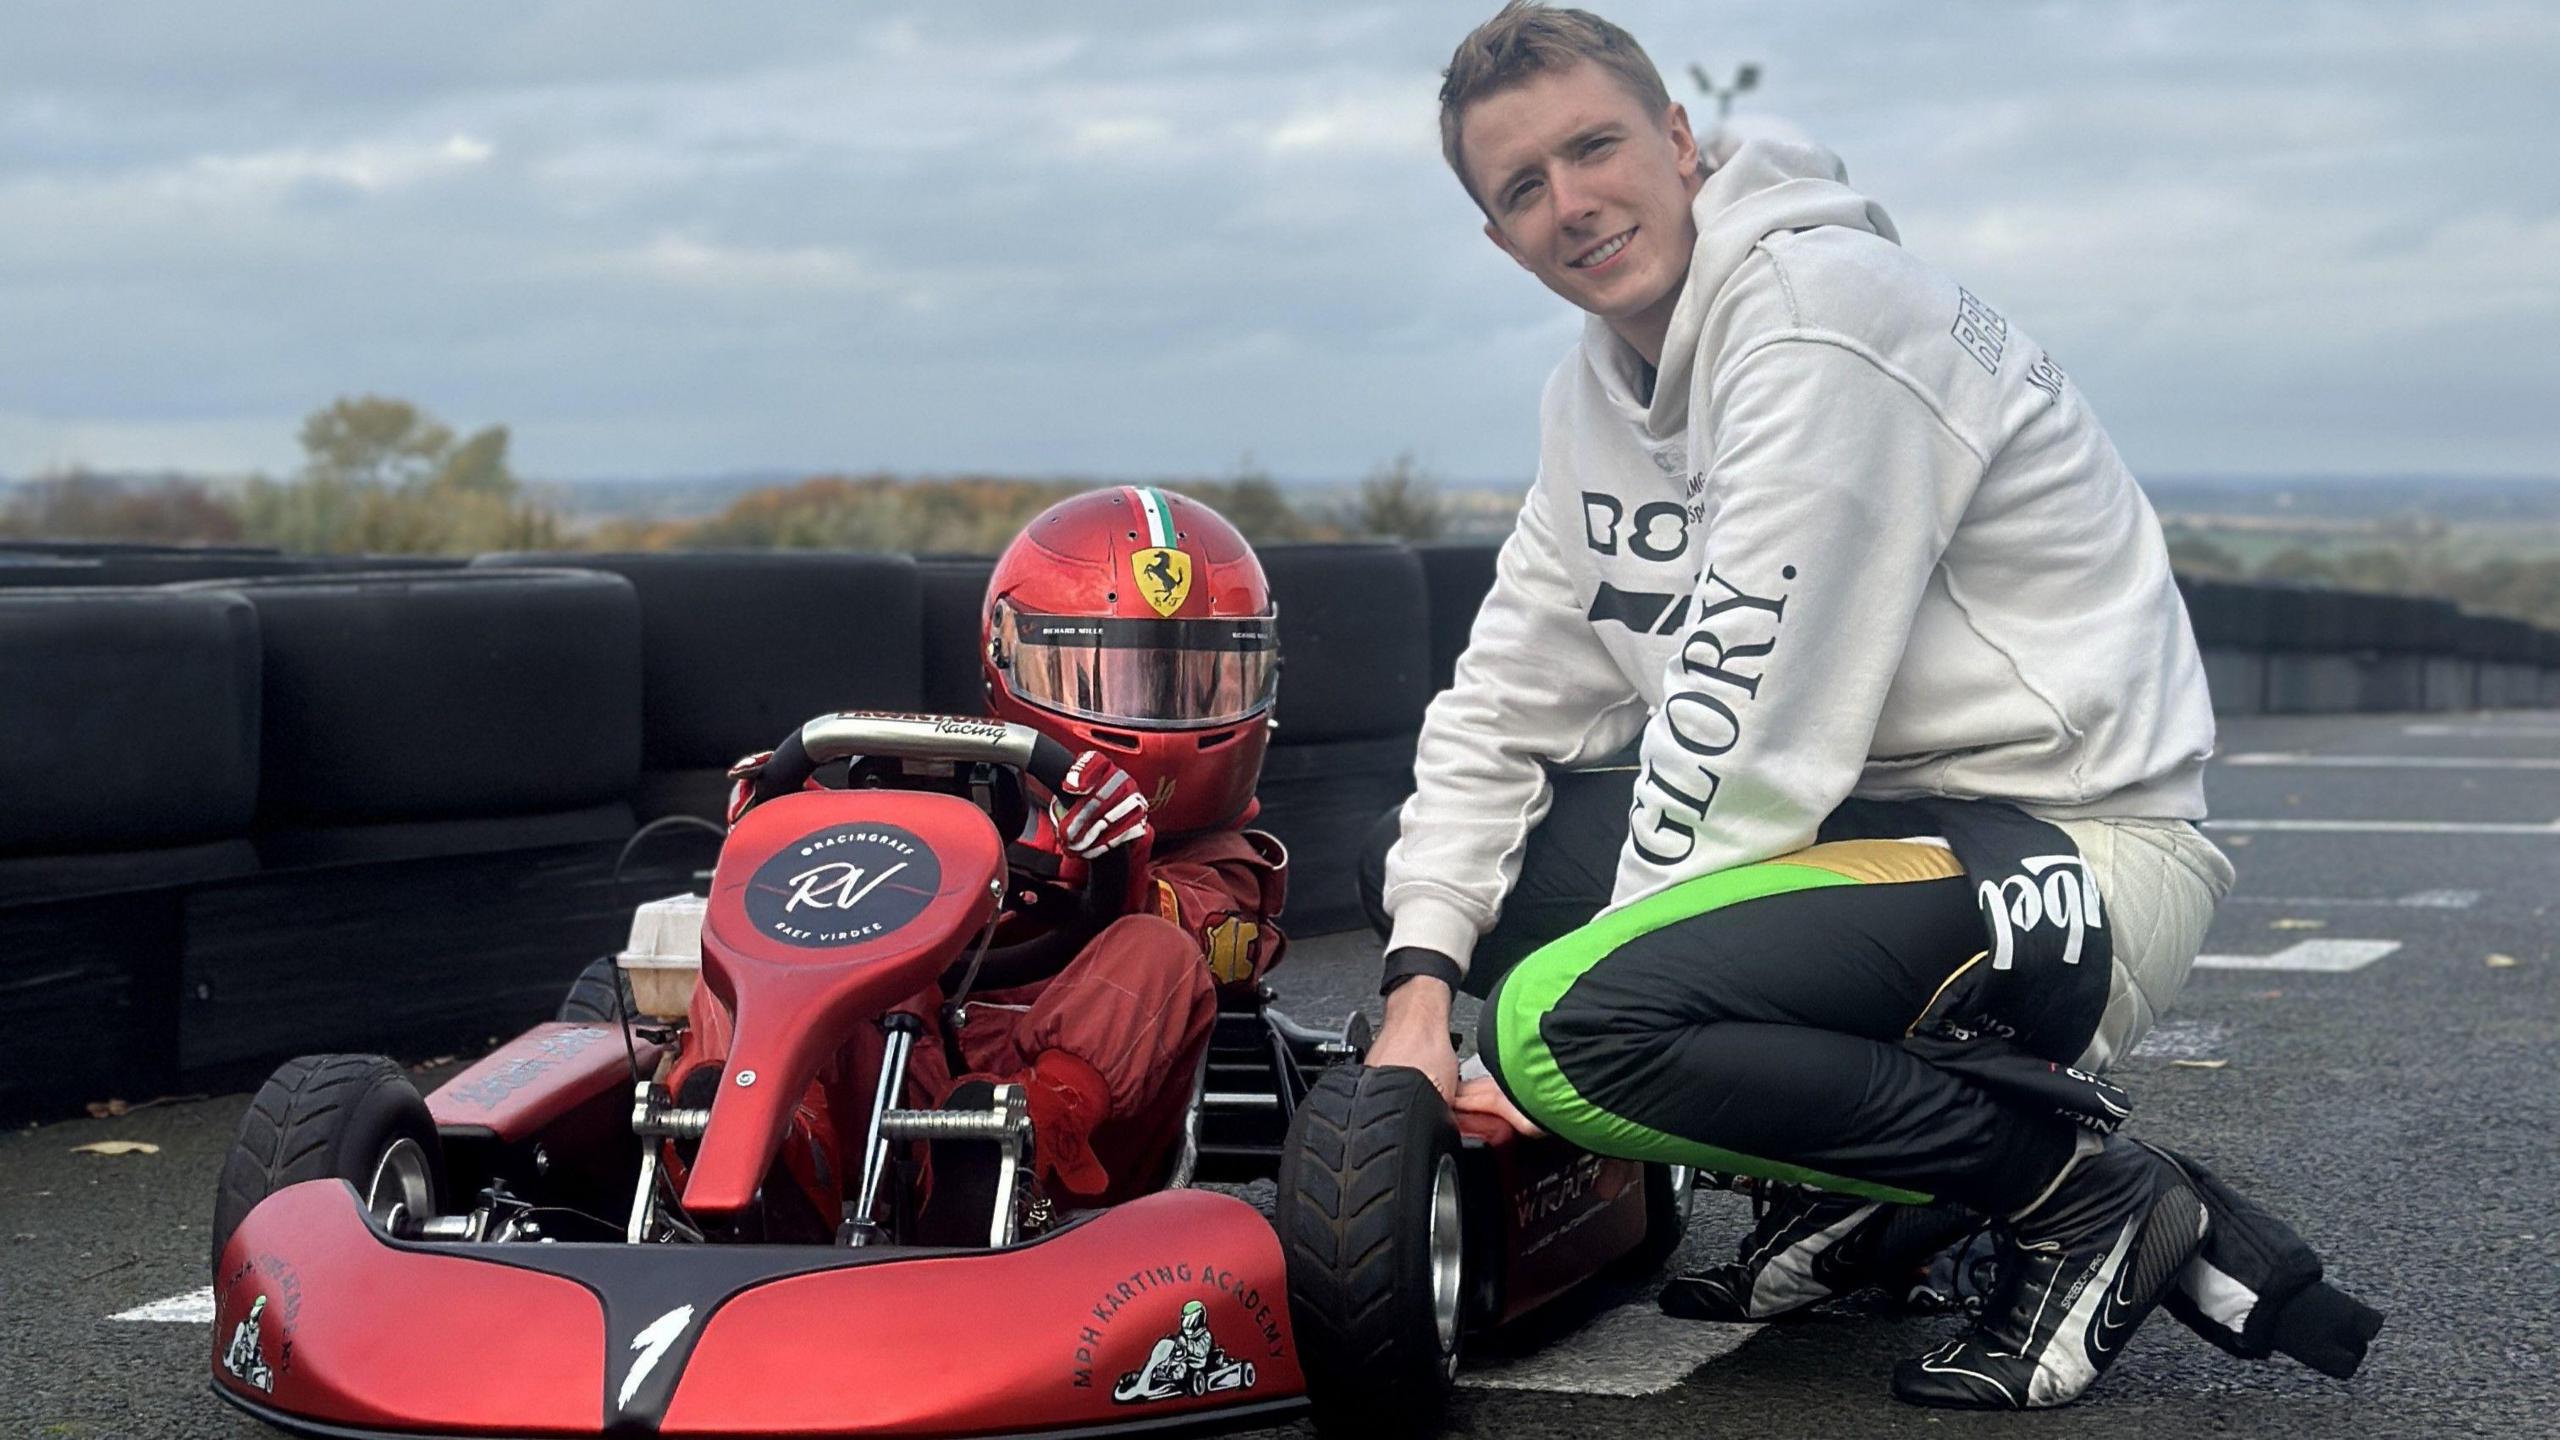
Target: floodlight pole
<point>1746,77</point>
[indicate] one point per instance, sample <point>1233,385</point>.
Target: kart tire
<point>590,1000</point>
<point>1668,1191</point>
<point>1371,1155</point>
<point>320,1116</point>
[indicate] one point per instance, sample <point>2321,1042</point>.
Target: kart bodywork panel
<point>1542,1215</point>
<point>325,1325</point>
<point>533,1081</point>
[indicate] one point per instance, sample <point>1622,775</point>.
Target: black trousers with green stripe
<point>1750,1022</point>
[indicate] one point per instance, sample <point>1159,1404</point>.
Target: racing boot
<point>1068,1100</point>
<point>2086,1263</point>
<point>1810,1245</point>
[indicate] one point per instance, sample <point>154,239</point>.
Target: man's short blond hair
<point>1526,39</point>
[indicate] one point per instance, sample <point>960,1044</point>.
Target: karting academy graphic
<point>244,1359</point>
<point>1186,1362</point>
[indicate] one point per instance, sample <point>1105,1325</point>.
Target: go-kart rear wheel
<point>1370,1222</point>
<point>356,1117</point>
<point>591,995</point>
<point>1669,1194</point>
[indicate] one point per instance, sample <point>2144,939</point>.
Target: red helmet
<point>1136,622</point>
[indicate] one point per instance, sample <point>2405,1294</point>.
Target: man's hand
<point>1099,808</point>
<point>1416,1034</point>
<point>1483,1096</point>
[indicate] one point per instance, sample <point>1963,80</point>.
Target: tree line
<point>380,476</point>
<point>2420,559</point>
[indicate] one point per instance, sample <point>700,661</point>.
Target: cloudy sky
<point>1128,238</point>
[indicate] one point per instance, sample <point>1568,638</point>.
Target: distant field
<point>2254,540</point>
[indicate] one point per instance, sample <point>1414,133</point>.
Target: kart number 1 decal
<point>652,1342</point>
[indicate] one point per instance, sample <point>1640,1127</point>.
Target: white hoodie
<point>1865,538</point>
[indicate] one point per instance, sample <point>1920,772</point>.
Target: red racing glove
<point>1099,808</point>
<point>742,788</point>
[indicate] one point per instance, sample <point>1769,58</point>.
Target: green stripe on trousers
<point>1517,1052</point>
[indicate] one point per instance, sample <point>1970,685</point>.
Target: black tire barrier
<point>24,571</point>
<point>379,564</point>
<point>179,568</point>
<point>465,693</point>
<point>92,987</point>
<point>129,720</point>
<point>97,549</point>
<point>740,647</point>
<point>1355,652</point>
<point>42,879</point>
<point>2429,627</point>
<point>1320,800</point>
<point>2301,618</point>
<point>955,597</point>
<point>384,842</point>
<point>2226,616</point>
<point>1457,575</point>
<point>289,961</point>
<point>2499,640</point>
<point>2369,621</point>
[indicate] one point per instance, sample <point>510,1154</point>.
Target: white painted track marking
<point>2484,732</point>
<point>2420,900</point>
<point>1631,1350</point>
<point>2329,957</point>
<point>2182,1040</point>
<point>193,1308</point>
<point>2387,827</point>
<point>2393,762</point>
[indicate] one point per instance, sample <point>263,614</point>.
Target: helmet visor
<point>1146,674</point>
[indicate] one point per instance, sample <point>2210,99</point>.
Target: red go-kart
<point>689,1208</point>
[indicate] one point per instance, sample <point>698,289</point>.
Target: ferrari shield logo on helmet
<point>1163,576</point>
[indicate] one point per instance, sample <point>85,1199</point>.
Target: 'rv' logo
<point>843,885</point>
<point>835,884</point>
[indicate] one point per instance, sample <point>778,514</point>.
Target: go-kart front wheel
<point>356,1117</point>
<point>593,996</point>
<point>1370,1223</point>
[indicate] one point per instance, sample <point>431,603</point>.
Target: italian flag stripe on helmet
<point>1151,503</point>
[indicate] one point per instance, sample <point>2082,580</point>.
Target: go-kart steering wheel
<point>1110,883</point>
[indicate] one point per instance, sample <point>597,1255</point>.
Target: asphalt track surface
<point>2403,1113</point>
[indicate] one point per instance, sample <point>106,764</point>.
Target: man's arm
<point>1535,686</point>
<point>1835,489</point>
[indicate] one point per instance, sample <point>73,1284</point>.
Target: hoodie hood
<point>1768,186</point>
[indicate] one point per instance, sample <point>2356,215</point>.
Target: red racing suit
<point>1110,1046</point>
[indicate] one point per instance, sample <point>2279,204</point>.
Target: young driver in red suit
<point>1134,627</point>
